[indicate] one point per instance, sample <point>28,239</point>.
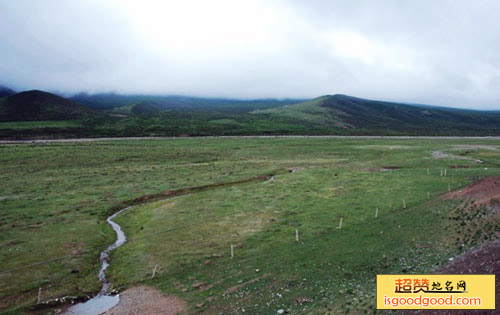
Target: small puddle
<point>96,305</point>
<point>102,301</point>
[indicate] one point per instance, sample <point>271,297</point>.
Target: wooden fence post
<point>154,271</point>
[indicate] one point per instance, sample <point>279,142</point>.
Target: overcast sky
<point>436,52</point>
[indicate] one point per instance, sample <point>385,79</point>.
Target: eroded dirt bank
<point>484,259</point>
<point>482,192</point>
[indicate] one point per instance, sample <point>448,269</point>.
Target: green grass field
<point>55,197</point>
<point>22,125</point>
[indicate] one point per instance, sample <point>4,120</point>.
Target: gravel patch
<point>147,300</point>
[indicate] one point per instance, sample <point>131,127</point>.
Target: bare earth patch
<point>482,192</point>
<point>147,300</point>
<point>474,147</point>
<point>482,260</point>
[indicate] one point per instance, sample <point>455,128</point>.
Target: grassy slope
<point>360,114</point>
<point>166,123</point>
<point>138,108</point>
<point>338,114</point>
<point>39,124</point>
<point>308,111</point>
<point>62,192</point>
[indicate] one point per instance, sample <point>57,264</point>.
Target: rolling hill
<point>39,105</point>
<point>174,115</point>
<point>5,91</point>
<point>141,108</point>
<point>347,112</point>
<point>110,101</point>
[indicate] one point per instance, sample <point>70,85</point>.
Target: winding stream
<point>102,301</point>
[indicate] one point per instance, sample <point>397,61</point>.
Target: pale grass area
<point>443,155</point>
<point>388,147</point>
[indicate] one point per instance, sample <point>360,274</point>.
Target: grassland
<point>308,111</point>
<point>22,125</point>
<point>165,123</point>
<point>55,198</point>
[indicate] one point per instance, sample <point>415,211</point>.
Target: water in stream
<point>102,301</point>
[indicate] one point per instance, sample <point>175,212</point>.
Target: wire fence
<point>478,171</point>
<point>402,201</point>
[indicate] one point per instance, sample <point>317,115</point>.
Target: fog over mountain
<point>431,52</point>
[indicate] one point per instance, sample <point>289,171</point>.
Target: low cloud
<point>435,52</point>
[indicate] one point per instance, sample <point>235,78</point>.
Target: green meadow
<point>55,198</point>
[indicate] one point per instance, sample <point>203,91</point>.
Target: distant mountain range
<point>145,115</point>
<point>39,105</point>
<point>112,101</point>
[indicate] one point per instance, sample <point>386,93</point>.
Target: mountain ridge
<point>337,114</point>
<point>5,91</point>
<point>357,113</point>
<point>41,105</point>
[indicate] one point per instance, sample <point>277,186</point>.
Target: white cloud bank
<point>439,52</point>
